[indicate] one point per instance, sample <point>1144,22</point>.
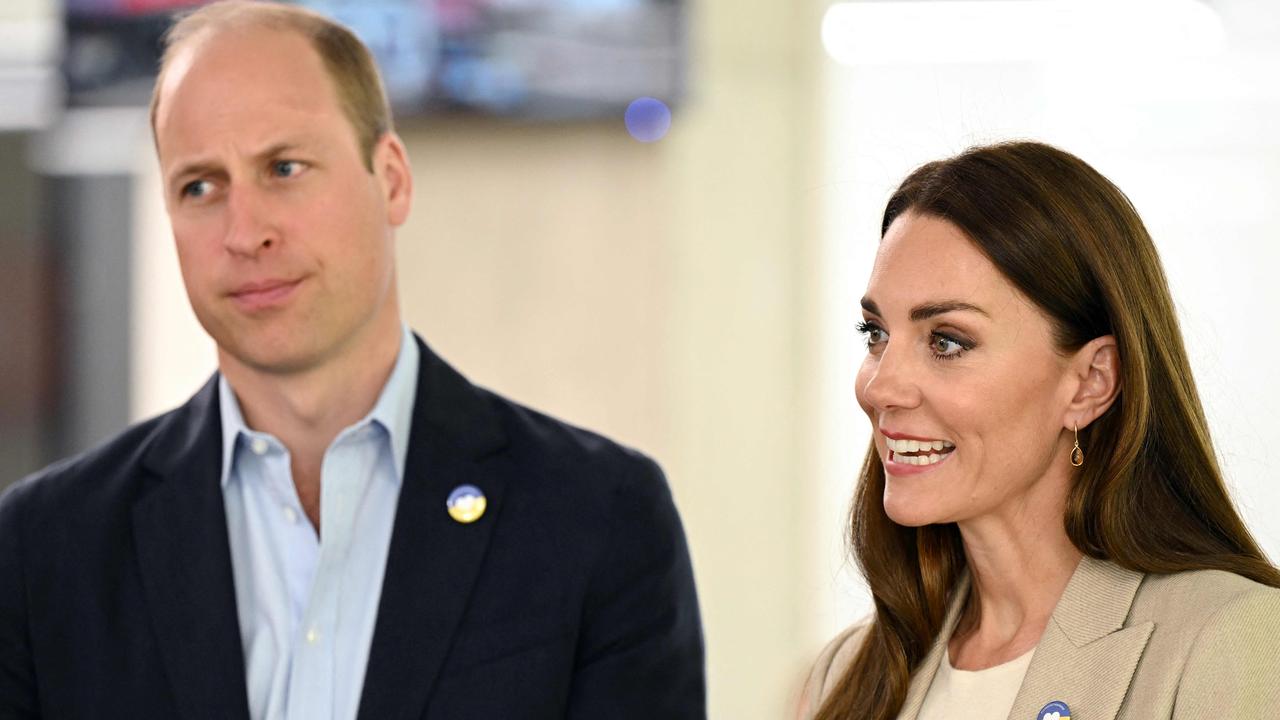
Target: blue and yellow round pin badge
<point>1056,710</point>
<point>466,504</point>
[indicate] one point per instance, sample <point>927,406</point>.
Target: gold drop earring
<point>1077,455</point>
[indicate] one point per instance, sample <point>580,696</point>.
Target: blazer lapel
<point>433,561</point>
<point>922,678</point>
<point>1086,656</point>
<point>184,560</point>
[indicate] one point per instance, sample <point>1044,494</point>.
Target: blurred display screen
<point>535,59</point>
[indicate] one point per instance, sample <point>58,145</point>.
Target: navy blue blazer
<point>572,597</point>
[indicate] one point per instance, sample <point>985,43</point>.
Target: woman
<point>1040,518</point>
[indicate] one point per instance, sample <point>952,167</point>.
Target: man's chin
<point>269,356</point>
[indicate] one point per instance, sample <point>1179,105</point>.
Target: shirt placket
<point>295,536</point>
<point>316,649</point>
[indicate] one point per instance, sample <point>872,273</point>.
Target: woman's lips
<point>253,297</point>
<point>903,469</point>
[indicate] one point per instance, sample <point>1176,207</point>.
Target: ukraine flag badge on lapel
<point>1056,710</point>
<point>466,504</point>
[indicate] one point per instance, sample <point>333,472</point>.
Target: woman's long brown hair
<point>1150,497</point>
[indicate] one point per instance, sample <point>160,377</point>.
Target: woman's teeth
<point>906,446</point>
<point>917,459</point>
<point>897,447</point>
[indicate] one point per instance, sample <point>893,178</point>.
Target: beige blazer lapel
<point>1086,656</point>
<point>922,678</point>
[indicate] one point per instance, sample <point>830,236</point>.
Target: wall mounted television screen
<point>523,59</point>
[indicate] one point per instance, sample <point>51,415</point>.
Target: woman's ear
<point>1096,368</point>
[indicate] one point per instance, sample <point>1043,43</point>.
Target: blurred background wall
<point>695,296</point>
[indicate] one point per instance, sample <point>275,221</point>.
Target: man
<point>337,525</point>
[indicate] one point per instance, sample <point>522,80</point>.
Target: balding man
<point>338,525</point>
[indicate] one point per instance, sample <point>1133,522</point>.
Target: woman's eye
<point>874,334</point>
<point>946,347</point>
<point>942,346</point>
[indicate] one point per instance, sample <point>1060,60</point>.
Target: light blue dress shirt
<point>306,604</point>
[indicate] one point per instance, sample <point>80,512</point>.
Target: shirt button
<point>313,636</point>
<point>290,515</point>
<point>259,446</point>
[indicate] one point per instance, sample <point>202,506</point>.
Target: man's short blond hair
<point>348,62</point>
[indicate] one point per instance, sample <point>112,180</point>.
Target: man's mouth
<point>264,294</point>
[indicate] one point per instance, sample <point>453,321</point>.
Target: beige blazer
<point>1200,645</point>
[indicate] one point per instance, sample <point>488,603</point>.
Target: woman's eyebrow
<point>924,311</point>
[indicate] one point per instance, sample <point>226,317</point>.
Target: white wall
<point>1187,129</point>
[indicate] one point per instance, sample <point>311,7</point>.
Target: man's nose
<point>251,226</point>
<point>894,383</point>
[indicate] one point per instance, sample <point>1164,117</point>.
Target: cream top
<point>974,694</point>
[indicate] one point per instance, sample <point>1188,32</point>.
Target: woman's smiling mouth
<point>911,452</point>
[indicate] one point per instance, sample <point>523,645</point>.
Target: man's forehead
<point>247,63</point>
<point>252,87</point>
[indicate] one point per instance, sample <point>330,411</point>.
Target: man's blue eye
<point>286,168</point>
<point>196,189</point>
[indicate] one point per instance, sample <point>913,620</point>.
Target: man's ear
<point>1096,370</point>
<point>391,165</point>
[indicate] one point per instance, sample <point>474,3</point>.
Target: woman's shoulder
<point>831,665</point>
<point>1195,599</point>
<point>1219,634</point>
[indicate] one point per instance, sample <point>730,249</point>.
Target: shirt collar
<point>393,410</point>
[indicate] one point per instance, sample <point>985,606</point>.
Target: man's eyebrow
<point>277,149</point>
<point>193,168</point>
<point>927,310</point>
<point>209,167</point>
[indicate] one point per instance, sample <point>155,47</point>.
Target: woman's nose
<point>891,382</point>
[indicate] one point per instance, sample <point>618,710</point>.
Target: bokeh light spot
<point>648,119</point>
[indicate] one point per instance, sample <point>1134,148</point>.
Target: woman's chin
<point>910,512</point>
